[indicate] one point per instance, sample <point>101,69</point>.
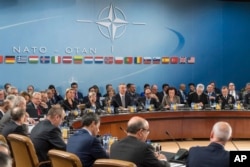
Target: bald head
<point>135,124</point>
<point>221,132</point>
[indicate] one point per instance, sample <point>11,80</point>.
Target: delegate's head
<point>132,88</point>
<point>146,86</point>
<point>210,88</point>
<point>91,121</point>
<point>231,86</point>
<point>18,115</point>
<point>221,132</point>
<point>108,87</point>
<point>247,88</point>
<point>122,88</point>
<point>74,86</point>
<point>165,87</point>
<point>70,93</point>
<point>224,90</point>
<point>26,96</point>
<point>138,127</point>
<point>2,94</point>
<point>154,89</point>
<point>171,92</point>
<point>12,91</point>
<point>147,93</point>
<point>5,105</point>
<point>49,93</point>
<point>191,87</point>
<point>92,97</point>
<point>36,98</point>
<point>19,101</point>
<point>56,115</point>
<point>182,87</point>
<point>30,89</point>
<point>200,89</point>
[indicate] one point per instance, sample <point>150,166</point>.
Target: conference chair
<point>113,163</point>
<point>2,138</point>
<point>60,158</point>
<point>23,151</point>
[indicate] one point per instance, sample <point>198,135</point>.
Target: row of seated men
<point>40,102</point>
<point>47,135</point>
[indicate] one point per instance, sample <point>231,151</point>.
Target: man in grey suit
<point>214,154</point>
<point>133,148</point>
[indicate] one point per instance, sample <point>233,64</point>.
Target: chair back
<point>2,138</point>
<point>113,163</point>
<point>60,158</point>
<point>23,151</point>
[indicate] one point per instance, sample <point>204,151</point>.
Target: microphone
<point>181,153</point>
<point>123,130</point>
<point>234,144</point>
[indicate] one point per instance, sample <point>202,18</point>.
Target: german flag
<point>10,59</point>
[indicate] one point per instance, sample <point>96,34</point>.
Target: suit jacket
<point>68,107</point>
<point>46,136</point>
<point>213,155</point>
<point>79,97</point>
<point>133,97</point>
<point>182,100</point>
<point>117,102</point>
<point>6,118</point>
<point>213,94</point>
<point>33,112</point>
<point>160,96</point>
<point>224,101</point>
<point>194,98</point>
<point>87,147</point>
<point>133,150</point>
<point>166,100</point>
<point>11,127</point>
<point>153,101</point>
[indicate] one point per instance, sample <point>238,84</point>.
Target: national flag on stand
<point>183,60</point>
<point>147,60</point>
<point>44,59</point>
<point>191,60</point>
<point>118,60</point>
<point>67,59</point>
<point>138,60</point>
<point>21,59</point>
<point>33,59</point>
<point>128,60</point>
<point>77,59</point>
<point>109,60</point>
<point>156,60</point>
<point>174,60</point>
<point>56,59</point>
<point>88,59</point>
<point>98,59</point>
<point>165,60</point>
<point>10,59</point>
<point>1,59</point>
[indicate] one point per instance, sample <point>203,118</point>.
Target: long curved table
<point>180,124</point>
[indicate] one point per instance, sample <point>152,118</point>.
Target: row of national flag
<point>33,59</point>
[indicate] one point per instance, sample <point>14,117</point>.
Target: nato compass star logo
<point>111,23</point>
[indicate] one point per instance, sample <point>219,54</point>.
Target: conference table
<point>195,124</point>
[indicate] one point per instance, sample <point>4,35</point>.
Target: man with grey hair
<point>34,108</point>
<point>214,154</point>
<point>121,99</point>
<point>198,97</point>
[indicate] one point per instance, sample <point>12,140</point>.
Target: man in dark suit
<point>163,93</point>
<point>131,92</point>
<point>16,124</point>
<point>78,95</point>
<point>235,93</point>
<point>182,93</point>
<point>134,148</point>
<point>121,99</point>
<point>146,101</point>
<point>225,99</point>
<point>34,108</point>
<point>211,94</point>
<point>84,142</point>
<point>214,154</point>
<point>47,135</point>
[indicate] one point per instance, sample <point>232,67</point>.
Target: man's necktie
<point>123,101</point>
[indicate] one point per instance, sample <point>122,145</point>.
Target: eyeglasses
<point>147,130</point>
